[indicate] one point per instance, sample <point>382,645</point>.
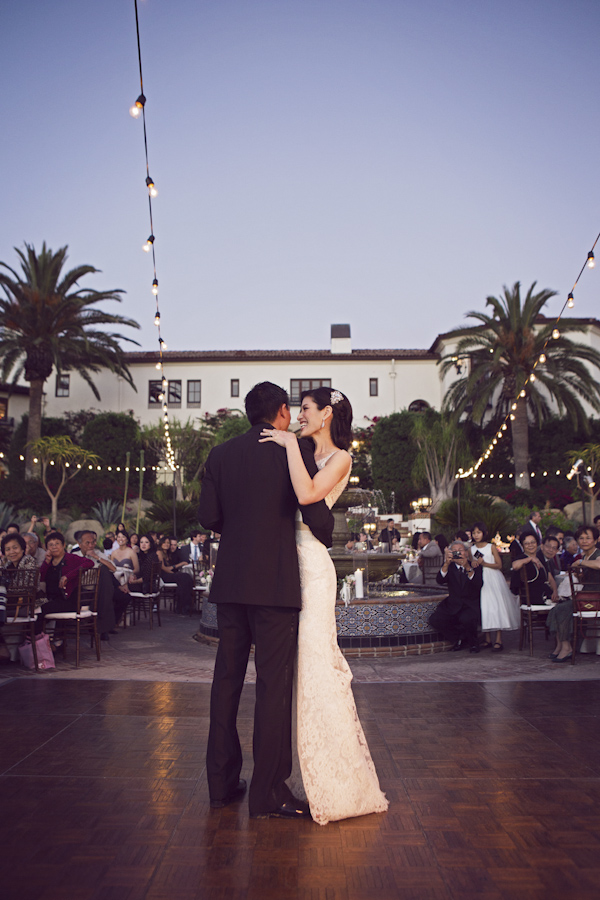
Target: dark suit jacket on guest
<point>462,590</point>
<point>246,496</point>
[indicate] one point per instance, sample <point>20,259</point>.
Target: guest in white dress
<point>499,610</point>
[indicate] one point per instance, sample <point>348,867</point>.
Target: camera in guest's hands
<point>456,554</point>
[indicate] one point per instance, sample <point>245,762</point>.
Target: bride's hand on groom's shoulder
<point>278,437</point>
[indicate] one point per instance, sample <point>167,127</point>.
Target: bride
<point>337,772</point>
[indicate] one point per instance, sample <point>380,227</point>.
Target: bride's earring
<point>323,424</point>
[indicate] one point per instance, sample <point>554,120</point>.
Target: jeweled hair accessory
<point>336,396</point>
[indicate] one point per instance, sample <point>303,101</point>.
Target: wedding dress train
<point>336,773</point>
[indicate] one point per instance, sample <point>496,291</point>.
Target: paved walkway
<point>168,654</point>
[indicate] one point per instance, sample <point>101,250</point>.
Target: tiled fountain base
<point>392,626</point>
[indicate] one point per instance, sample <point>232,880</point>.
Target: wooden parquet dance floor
<point>494,790</point>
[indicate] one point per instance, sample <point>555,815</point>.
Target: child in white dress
<point>499,611</point>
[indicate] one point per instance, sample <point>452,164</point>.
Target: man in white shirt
<point>32,544</point>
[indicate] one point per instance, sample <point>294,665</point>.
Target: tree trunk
<point>520,445</point>
<point>34,427</point>
<point>178,485</point>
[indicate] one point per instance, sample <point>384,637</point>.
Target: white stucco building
<point>378,381</point>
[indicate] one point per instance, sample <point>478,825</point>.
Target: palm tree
<point>501,351</point>
<point>45,323</point>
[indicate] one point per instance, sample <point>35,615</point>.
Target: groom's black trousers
<point>274,632</point>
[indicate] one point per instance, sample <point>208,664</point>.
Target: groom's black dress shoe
<point>236,794</point>
<point>291,809</point>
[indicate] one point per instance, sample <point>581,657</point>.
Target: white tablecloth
<point>412,571</point>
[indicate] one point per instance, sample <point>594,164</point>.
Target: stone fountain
<point>378,565</point>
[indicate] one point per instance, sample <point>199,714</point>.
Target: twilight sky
<point>387,163</point>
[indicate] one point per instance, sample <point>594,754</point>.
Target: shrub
<point>482,508</point>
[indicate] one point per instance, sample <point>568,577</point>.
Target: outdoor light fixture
<point>590,260</point>
<point>151,187</point>
<point>542,357</point>
<point>570,301</point>
<point>155,287</point>
<point>157,318</point>
<point>148,245</point>
<point>556,334</point>
<point>135,111</point>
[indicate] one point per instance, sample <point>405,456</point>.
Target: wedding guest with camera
<point>457,616</point>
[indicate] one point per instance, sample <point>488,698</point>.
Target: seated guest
<point>365,541</point>
<point>589,565</point>
<point>542,586</point>
<point>112,597</point>
<point>14,554</point>
<point>12,528</point>
<point>197,550</point>
<point>457,616</point>
<point>464,536</point>
<point>587,572</point>
<point>178,559</point>
<point>389,534</point>
<point>60,572</point>
<point>33,549</point>
<point>141,583</point>
<point>442,542</point>
<point>184,595</point>
<point>547,554</point>
<point>134,542</point>
<point>570,554</point>
<point>428,549</point>
<point>124,557</point>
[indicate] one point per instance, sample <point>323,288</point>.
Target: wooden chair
<point>431,566</point>
<point>148,603</point>
<point>532,616</point>
<point>586,612</point>
<point>21,604</point>
<point>83,619</point>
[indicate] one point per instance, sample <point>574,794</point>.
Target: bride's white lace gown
<point>337,775</point>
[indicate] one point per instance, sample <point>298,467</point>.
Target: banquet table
<point>413,573</point>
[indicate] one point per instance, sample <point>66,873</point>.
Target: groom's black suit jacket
<point>247,496</point>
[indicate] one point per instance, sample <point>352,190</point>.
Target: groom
<point>247,497</point>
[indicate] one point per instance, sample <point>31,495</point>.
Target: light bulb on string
<point>512,417</point>
<point>158,366</point>
<point>155,287</point>
<point>522,394</point>
<point>135,111</point>
<point>151,187</point>
<point>514,406</point>
<point>157,318</point>
<point>162,343</point>
<point>591,260</point>
<point>556,334</point>
<point>532,377</point>
<point>504,427</point>
<point>570,300</point>
<point>148,245</point>
<point>542,357</point>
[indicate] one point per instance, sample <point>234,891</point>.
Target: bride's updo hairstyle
<point>341,419</point>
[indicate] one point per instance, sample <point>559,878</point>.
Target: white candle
<point>358,584</point>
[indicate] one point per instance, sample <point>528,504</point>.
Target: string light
<point>555,334</point>
<point>138,110</point>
